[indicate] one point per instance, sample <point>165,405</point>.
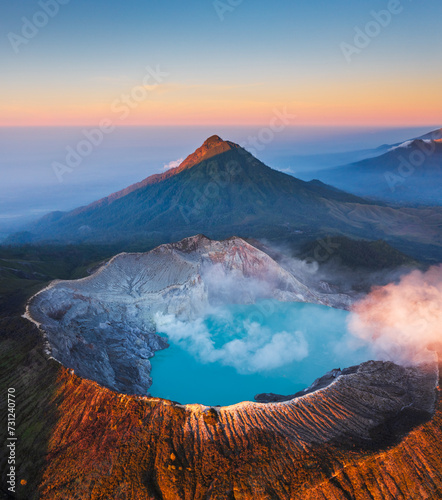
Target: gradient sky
<point>263,55</point>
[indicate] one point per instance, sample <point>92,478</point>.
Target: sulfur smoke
<point>403,322</point>
<point>259,350</point>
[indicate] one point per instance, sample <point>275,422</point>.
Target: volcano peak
<point>212,146</point>
<point>213,140</point>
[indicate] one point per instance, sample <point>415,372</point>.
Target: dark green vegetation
<point>25,368</point>
<point>356,254</point>
<point>221,190</point>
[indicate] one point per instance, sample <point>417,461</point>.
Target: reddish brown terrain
<point>370,435</point>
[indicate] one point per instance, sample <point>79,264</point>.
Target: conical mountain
<point>212,146</point>
<point>222,190</point>
<point>216,189</point>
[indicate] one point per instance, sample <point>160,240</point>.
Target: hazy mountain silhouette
<point>408,173</point>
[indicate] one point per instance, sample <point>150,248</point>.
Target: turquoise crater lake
<point>237,351</point>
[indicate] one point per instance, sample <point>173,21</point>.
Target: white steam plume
<point>403,321</point>
<point>260,350</point>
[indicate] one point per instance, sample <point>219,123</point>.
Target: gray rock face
<point>320,383</point>
<point>373,405</point>
<point>103,326</point>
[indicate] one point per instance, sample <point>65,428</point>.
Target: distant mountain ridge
<point>409,173</point>
<point>435,135</point>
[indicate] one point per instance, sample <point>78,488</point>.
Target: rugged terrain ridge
<point>103,326</point>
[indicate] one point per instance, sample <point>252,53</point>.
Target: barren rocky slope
<point>373,434</point>
<point>370,435</point>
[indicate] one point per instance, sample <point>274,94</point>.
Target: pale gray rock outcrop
<point>103,326</point>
